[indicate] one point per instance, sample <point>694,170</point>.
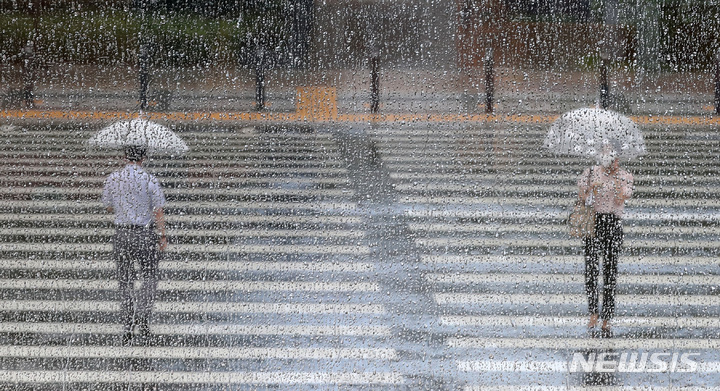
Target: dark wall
<point>572,9</point>
<point>403,33</point>
<point>278,33</point>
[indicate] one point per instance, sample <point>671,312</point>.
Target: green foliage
<point>690,34</point>
<point>112,36</point>
<point>188,40</point>
<point>266,29</point>
<point>589,62</point>
<point>688,30</point>
<point>15,31</point>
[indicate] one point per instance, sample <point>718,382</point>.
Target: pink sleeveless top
<point>612,190</point>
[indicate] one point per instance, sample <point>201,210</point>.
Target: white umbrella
<point>155,137</point>
<point>585,133</point>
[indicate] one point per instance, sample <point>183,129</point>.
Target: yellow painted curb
<point>333,117</point>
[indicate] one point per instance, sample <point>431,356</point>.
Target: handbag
<point>582,218</point>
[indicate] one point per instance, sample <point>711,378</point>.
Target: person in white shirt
<point>137,200</point>
<point>608,186</point>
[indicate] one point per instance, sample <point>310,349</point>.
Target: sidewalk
<point>409,92</point>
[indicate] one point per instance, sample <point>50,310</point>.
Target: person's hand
<point>163,243</point>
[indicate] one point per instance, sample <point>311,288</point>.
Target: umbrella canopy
<point>587,132</point>
<point>155,137</point>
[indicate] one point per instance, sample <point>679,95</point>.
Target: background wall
<point>404,33</point>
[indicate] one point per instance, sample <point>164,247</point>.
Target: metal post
<point>28,75</point>
<point>489,80</point>
<point>374,84</point>
<point>717,82</point>
<point>29,57</point>
<point>259,87</point>
<point>144,53</point>
<point>604,86</point>
<point>144,60</point>
<point>259,61</point>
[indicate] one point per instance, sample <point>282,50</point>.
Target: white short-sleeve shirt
<point>134,195</point>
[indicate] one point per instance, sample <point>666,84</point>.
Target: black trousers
<point>608,243</point>
<point>136,246</point>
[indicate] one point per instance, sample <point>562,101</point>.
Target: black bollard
<point>144,40</point>
<point>28,75</point>
<point>259,88</point>
<point>489,81</point>
<point>717,83</point>
<point>604,86</point>
<point>374,84</point>
<point>260,63</point>
<point>144,77</point>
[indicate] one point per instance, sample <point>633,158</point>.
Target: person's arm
<point>107,197</point>
<point>626,187</point>
<point>158,201</point>
<point>583,188</point>
<point>160,223</point>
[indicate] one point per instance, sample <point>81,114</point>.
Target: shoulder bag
<point>582,217</point>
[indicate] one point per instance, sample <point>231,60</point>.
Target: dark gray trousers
<point>136,247</point>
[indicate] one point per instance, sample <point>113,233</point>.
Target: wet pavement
<point>351,256</point>
<point>402,90</point>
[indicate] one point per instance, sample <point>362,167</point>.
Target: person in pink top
<point>606,187</point>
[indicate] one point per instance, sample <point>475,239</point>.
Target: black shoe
<point>127,338</point>
<point>606,332</point>
<point>145,334</point>
<point>592,332</point>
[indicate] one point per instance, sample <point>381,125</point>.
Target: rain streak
<point>508,195</point>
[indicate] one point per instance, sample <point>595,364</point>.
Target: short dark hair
<point>135,153</point>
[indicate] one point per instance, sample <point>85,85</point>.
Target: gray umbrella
<point>586,132</point>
